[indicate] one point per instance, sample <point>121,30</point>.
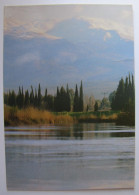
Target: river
<point>72,157</point>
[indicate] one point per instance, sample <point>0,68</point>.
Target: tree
<point>35,99</point>
<point>124,98</point>
<point>133,89</point>
<point>39,97</point>
<point>111,96</point>
<point>12,98</point>
<point>27,102</point>
<point>57,100</point>
<point>31,96</point>
<point>6,98</point>
<point>87,108</point>
<point>76,100</point>
<point>105,104</point>
<point>45,99</point>
<point>68,101</point>
<point>118,100</point>
<point>81,98</point>
<point>71,94</point>
<point>96,106</point>
<point>20,98</point>
<point>50,102</point>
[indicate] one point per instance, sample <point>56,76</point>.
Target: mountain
<point>98,57</point>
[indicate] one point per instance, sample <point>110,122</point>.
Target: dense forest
<point>119,107</point>
<point>64,100</point>
<point>123,98</point>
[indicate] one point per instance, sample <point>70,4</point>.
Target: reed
<point>98,118</point>
<point>32,115</point>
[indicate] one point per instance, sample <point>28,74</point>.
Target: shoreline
<point>32,116</point>
<point>75,121</point>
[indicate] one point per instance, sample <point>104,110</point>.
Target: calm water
<point>73,157</point>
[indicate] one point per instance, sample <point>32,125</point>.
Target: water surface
<point>72,157</point>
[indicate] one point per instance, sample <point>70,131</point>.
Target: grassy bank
<point>33,116</point>
<point>30,116</point>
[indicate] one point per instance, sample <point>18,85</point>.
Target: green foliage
<point>78,99</point>
<point>50,102</point>
<point>64,100</point>
<point>27,100</point>
<point>32,97</point>
<point>39,97</point>
<point>124,98</point>
<point>111,96</point>
<point>12,99</point>
<point>127,118</point>
<point>105,104</point>
<point>96,106</point>
<point>81,98</point>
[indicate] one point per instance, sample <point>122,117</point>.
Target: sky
<point>58,44</point>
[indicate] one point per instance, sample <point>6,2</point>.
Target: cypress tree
<point>124,98</point>
<point>56,100</point>
<point>81,98</point>
<point>62,99</point>
<point>32,96</point>
<point>26,103</point>
<point>22,98</point>
<point>76,100</point>
<point>130,87</point>
<point>68,102</point>
<point>119,96</point>
<point>12,98</point>
<point>50,102</point>
<point>133,89</point>
<point>39,96</point>
<point>45,99</point>
<point>96,106</point>
<point>19,98</point>
<point>6,97</point>
<point>35,102</point>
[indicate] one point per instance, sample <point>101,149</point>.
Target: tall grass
<point>32,115</point>
<point>98,118</point>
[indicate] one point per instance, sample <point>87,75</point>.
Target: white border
<point>135,3</point>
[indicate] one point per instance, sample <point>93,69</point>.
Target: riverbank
<point>32,116</point>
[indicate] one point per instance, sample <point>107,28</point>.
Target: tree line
<point>124,97</point>
<point>64,99</point>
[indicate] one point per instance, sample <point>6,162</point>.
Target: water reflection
<point>79,156</point>
<point>75,131</point>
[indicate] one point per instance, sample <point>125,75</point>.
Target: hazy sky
<point>39,20</point>
<point>59,44</point>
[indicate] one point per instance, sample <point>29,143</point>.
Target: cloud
<point>29,29</point>
<point>107,36</point>
<point>28,58</point>
<point>124,31</point>
<point>38,21</point>
<point>124,60</point>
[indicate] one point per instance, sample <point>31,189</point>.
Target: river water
<point>73,157</point>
